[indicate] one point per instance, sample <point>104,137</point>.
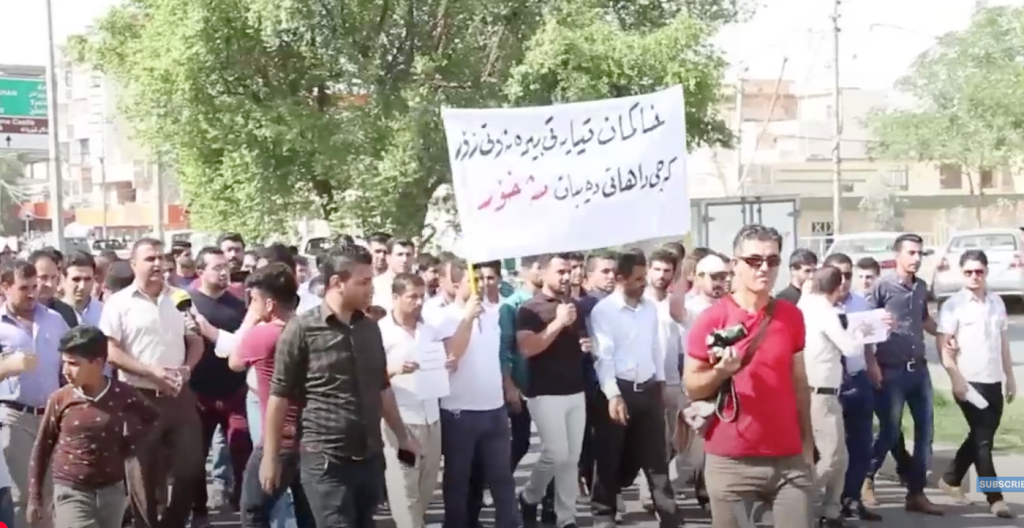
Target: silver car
<point>1002,246</point>
<point>875,244</point>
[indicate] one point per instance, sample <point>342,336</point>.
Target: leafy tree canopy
<point>968,93</point>
<point>273,110</point>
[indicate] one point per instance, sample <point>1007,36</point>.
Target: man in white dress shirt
<point>406,338</point>
<point>976,354</point>
<point>826,344</point>
<point>400,258</point>
<point>474,422</point>
<point>631,375</point>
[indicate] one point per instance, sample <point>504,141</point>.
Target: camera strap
<point>762,329</point>
<point>728,390</point>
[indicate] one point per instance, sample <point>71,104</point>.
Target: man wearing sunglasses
<point>976,354</point>
<point>757,442</point>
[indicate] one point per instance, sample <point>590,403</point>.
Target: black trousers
<point>342,493</point>
<point>977,447</point>
<point>643,436</point>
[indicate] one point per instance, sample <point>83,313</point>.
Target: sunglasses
<point>756,261</point>
<point>975,272</point>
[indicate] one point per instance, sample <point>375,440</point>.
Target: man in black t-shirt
<point>802,263</point>
<point>221,391</point>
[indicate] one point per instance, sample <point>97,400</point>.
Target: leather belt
<point>638,386</point>
<point>21,407</point>
<point>827,391</point>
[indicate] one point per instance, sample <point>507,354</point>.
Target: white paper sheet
<point>431,379</point>
<point>868,327</point>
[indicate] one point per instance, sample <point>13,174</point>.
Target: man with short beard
<point>662,269</point>
<point>220,390</point>
<point>377,243</point>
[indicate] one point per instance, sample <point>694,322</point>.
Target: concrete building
<point>109,180</point>
<point>785,148</point>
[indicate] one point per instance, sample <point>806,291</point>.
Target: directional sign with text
<point>23,98</point>
<point>24,119</point>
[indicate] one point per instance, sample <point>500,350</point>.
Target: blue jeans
<point>6,507</point>
<point>220,459</point>
<point>858,400</point>
<point>913,388</point>
<point>281,516</point>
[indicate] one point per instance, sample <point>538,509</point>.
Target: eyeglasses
<point>975,272</point>
<point>756,261</point>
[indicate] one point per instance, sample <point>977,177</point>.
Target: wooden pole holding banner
<point>474,288</point>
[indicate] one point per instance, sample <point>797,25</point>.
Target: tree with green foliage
<point>882,205</point>
<point>968,101</point>
<point>329,109</point>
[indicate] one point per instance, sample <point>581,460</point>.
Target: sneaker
<point>867,493</point>
<point>955,492</point>
<point>1001,510</point>
<point>528,512</point>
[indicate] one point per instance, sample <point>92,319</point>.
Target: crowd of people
<point>120,379</point>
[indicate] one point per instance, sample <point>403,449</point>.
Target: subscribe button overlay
<point>1002,484</point>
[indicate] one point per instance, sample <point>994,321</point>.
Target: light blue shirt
<point>92,313</point>
<point>853,303</point>
<point>33,388</point>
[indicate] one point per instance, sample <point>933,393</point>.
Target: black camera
<point>726,337</point>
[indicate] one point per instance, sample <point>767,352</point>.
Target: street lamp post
<point>56,181</point>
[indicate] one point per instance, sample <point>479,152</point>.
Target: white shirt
<point>401,346</point>
<point>382,290</point>
<point>626,342</point>
<point>307,302</point>
<point>695,305</point>
<point>978,326</point>
<point>150,330</point>
<point>670,340</point>
<point>826,342</point>
<point>476,385</point>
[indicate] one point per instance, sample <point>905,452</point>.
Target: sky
<point>880,38</point>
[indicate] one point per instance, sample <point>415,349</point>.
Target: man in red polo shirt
<point>761,446</point>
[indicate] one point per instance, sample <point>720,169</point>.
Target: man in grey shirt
<point>905,377</point>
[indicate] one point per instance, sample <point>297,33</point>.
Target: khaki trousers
<point>830,441</point>
<point>421,480</point>
<point>76,507</point>
<point>740,490</point>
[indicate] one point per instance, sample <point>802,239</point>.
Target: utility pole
<point>837,130</point>
<point>57,181</point>
<point>158,183</point>
<point>103,192</point>
<point>738,126</point>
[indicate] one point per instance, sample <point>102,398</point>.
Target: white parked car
<point>1003,248</point>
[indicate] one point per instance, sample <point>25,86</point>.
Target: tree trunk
<point>976,196</point>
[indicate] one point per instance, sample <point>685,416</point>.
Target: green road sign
<point>23,97</point>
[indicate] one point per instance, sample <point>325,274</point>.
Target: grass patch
<point>951,427</point>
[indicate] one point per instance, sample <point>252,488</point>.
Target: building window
<point>951,176</point>
<point>83,149</point>
<point>986,179</point>
<point>897,178</point>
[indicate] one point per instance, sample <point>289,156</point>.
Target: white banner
<point>569,177</point>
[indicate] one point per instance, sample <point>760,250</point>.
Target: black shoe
<point>831,523</point>
<point>547,515</point>
<point>528,511</point>
<point>857,510</point>
<point>570,525</point>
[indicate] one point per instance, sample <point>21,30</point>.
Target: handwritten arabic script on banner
<point>569,177</point>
